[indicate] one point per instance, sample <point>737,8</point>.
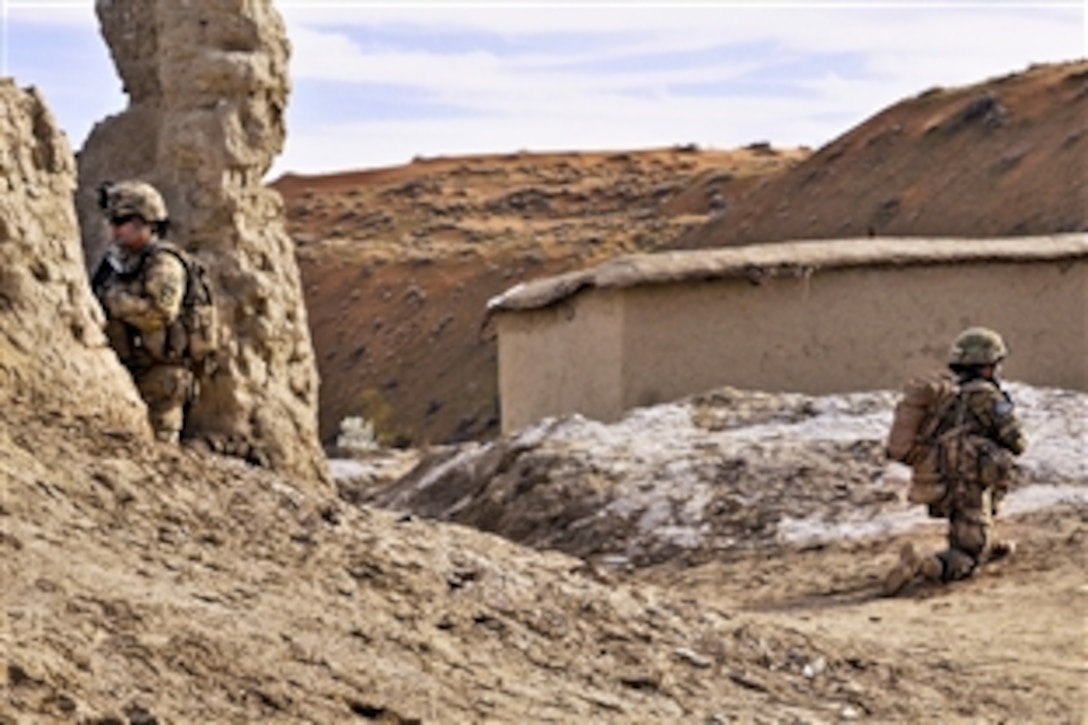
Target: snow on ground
<point>669,464</point>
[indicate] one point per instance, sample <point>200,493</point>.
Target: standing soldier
<point>976,437</point>
<point>140,284</point>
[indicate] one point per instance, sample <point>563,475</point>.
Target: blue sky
<point>378,83</point>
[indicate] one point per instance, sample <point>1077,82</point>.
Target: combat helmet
<point>977,346</point>
<point>127,198</point>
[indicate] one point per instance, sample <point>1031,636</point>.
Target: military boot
<point>931,567</point>
<point>903,572</point>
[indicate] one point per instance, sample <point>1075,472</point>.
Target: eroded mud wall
<point>53,355</point>
<point>845,327</point>
<point>207,85</point>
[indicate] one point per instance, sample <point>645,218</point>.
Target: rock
<point>693,658</point>
<point>816,667</point>
<point>52,350</point>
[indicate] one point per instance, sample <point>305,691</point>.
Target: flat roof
<point>787,259</point>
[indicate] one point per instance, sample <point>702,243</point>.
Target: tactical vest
<point>193,337</point>
<point>965,453</point>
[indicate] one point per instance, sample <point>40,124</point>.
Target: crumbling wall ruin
<point>53,354</point>
<point>207,85</point>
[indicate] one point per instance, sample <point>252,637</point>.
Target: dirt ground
<point>1013,638</point>
<point>148,584</point>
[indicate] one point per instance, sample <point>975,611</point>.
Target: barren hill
<point>1004,157</point>
<point>398,263</point>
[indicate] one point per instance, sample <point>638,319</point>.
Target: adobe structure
<point>813,317</point>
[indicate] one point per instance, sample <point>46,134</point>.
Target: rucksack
<point>931,432</point>
<point>924,403</point>
<point>193,338</point>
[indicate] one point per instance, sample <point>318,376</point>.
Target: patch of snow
<point>500,299</point>
<point>1034,498</point>
<point>665,468</point>
<point>343,468</point>
<point>814,529</point>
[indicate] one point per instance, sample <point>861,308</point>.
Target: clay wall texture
<point>816,317</point>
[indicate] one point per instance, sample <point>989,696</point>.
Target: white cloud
<point>530,98</point>
<point>601,124</point>
<point>441,78</point>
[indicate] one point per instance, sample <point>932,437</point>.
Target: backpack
<point>924,403</point>
<point>931,433</point>
<point>192,338</point>
<point>965,454</point>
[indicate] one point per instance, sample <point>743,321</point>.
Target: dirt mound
<point>721,476</point>
<point>1004,157</point>
<point>146,584</point>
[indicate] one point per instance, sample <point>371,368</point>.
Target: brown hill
<point>398,264</point>
<point>1005,157</point>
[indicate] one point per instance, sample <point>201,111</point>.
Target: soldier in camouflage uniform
<point>983,416</point>
<point>140,288</point>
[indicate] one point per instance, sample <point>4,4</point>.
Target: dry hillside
<point>398,263</point>
<point>1004,157</point>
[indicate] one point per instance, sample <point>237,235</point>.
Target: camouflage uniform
<point>983,413</point>
<point>141,293</point>
<point>971,503</point>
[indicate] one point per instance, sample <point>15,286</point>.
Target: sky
<point>377,84</point>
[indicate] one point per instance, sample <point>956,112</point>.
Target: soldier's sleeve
<point>158,302</point>
<point>1006,426</point>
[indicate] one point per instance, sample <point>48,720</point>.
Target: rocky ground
<point>146,583</point>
